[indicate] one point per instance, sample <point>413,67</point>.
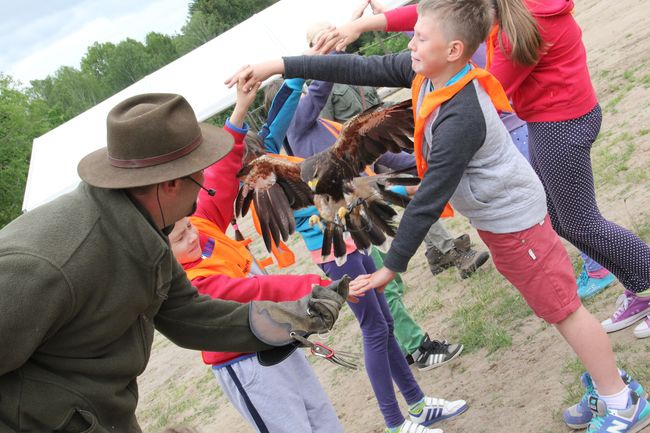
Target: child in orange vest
<point>465,156</point>
<point>284,397</point>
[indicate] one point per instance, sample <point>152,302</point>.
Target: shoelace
<point>596,422</point>
<point>583,278</point>
<point>622,302</point>
<point>439,346</point>
<point>589,390</point>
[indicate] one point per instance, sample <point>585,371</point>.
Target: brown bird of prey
<point>330,180</point>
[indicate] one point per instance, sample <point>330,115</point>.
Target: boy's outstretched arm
<point>256,73</point>
<point>393,70</point>
<point>453,146</point>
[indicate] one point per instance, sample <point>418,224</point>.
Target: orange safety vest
<point>229,257</point>
<point>434,99</point>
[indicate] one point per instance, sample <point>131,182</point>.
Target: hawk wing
<point>363,139</point>
<point>276,189</point>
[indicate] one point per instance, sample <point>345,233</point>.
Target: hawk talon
<point>314,220</point>
<point>342,212</point>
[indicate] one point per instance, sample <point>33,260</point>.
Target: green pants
<point>408,334</point>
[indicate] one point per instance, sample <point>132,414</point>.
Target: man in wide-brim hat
<point>86,278</point>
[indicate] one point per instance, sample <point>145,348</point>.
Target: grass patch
<point>612,158</point>
<point>493,310</point>
<point>183,403</point>
<point>574,388</point>
<point>641,226</point>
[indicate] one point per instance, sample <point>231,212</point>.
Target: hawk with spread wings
<point>330,180</point>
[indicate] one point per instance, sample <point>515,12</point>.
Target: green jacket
<point>347,101</point>
<point>84,280</point>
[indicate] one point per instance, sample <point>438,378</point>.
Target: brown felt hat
<point>152,138</point>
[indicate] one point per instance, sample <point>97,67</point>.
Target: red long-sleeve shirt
<point>558,87</point>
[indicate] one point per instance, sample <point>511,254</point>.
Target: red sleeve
<point>221,176</point>
<point>258,288</point>
<point>401,19</point>
<point>509,74</point>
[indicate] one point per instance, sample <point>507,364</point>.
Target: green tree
<point>67,93</point>
<point>198,30</point>
<point>210,18</point>
<point>160,49</point>
<point>21,120</point>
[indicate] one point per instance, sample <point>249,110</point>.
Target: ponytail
<point>515,20</point>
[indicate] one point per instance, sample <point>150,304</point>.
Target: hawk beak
<point>312,183</point>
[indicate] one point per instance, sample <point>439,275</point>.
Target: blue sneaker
<point>634,418</point>
<point>588,287</point>
<point>579,415</point>
<point>436,409</point>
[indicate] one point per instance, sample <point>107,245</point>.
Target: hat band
<point>156,160</point>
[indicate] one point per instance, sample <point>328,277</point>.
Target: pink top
<point>558,87</point>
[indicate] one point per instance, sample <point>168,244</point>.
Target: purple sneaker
<point>630,309</point>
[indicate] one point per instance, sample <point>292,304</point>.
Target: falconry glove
<point>273,322</point>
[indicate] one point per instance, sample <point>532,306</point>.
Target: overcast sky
<point>37,37</point>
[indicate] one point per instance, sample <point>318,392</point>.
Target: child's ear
<point>455,50</point>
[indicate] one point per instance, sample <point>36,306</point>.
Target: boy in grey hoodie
<point>466,157</point>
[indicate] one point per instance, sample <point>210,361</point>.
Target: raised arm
<point>401,19</point>
<point>283,108</point>
<point>395,20</point>
<point>221,176</point>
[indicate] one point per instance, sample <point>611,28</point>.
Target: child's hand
<point>359,11</point>
<point>256,73</point>
<point>337,38</point>
<point>376,280</point>
<point>357,288</point>
<point>244,101</point>
<point>377,7</point>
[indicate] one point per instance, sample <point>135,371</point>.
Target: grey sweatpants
<point>283,398</point>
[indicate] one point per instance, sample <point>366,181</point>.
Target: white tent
<point>198,76</point>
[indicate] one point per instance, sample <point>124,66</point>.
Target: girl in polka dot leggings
<point>551,89</point>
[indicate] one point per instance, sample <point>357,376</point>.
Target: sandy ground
<point>521,388</point>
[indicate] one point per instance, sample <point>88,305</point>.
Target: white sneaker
<point>642,330</point>
<point>411,427</point>
<point>437,409</point>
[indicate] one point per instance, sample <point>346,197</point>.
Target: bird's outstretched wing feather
<point>275,188</point>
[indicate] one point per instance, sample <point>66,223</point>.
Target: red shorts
<point>537,264</point>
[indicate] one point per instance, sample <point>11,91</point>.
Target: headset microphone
<point>210,191</point>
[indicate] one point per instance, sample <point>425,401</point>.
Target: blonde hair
<point>466,20</point>
<point>270,91</point>
<point>516,21</point>
<point>315,30</point>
